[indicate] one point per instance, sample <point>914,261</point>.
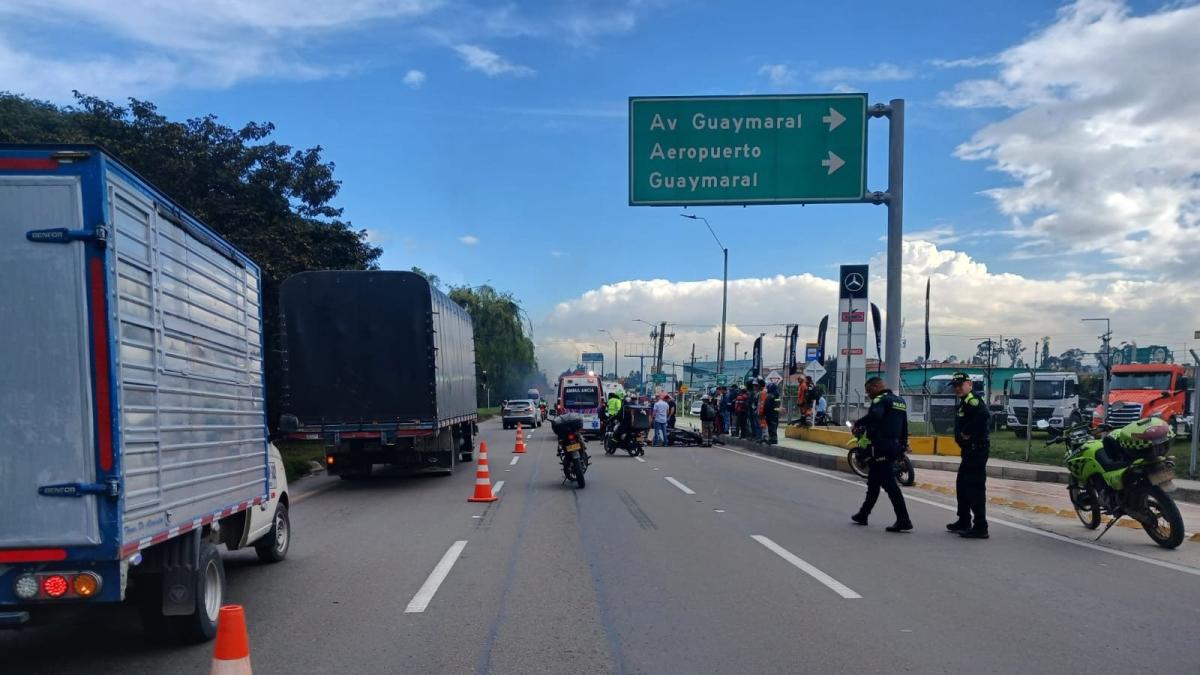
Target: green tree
<point>1013,348</point>
<point>270,200</point>
<point>502,349</point>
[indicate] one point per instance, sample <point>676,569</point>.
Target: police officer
<point>885,428</point>
<point>971,433</point>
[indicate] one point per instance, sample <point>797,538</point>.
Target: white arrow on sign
<point>834,163</point>
<point>834,119</point>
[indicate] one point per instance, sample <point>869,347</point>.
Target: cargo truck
<point>133,434</point>
<point>379,367</point>
<point>1139,390</point>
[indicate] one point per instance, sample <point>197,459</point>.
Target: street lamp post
<point>724,290</point>
<point>616,368</point>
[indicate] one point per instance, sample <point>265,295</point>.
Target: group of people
<point>885,430</point>
<point>662,414</point>
<point>750,412</point>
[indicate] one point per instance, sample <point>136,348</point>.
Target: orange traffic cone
<point>520,446</point>
<point>483,478</point>
<point>232,654</point>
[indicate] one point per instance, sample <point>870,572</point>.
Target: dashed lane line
<point>833,584</point>
<point>423,597</point>
<point>686,490</point>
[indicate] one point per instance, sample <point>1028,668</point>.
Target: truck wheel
<point>273,547</point>
<point>201,625</point>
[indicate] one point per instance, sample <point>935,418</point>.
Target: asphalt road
<point>700,560</point>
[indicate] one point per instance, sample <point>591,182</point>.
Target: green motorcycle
<point>1123,473</point>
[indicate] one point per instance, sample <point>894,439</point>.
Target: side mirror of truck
<point>1166,394</point>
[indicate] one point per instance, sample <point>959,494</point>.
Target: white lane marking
<point>719,510</point>
<point>686,490</point>
<point>515,460</point>
<point>640,460</point>
<point>421,600</point>
<point>496,488</point>
<point>833,584</point>
<point>1016,526</point>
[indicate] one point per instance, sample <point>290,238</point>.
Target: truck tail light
<point>55,585</point>
<point>86,584</point>
<point>26,587</point>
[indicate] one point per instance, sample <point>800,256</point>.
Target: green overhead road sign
<point>658,378</point>
<point>747,149</point>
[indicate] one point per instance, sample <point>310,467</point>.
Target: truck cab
<point>1139,390</point>
<point>943,403</point>
<point>1055,399</point>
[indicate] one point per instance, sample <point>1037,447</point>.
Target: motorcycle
<point>858,459</point>
<point>572,450</point>
<point>1107,478</point>
<point>632,443</point>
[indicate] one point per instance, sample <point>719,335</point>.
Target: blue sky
<point>486,142</point>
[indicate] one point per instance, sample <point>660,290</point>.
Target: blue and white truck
<point>133,434</point>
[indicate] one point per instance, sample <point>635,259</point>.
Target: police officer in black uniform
<point>886,428</point>
<point>971,433</point>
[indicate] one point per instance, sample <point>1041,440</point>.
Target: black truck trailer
<point>381,367</point>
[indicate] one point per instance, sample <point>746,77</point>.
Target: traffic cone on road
<point>232,653</point>
<point>519,448</point>
<point>483,478</point>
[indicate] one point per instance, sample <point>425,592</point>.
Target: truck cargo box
<point>131,379</point>
<point>365,347</point>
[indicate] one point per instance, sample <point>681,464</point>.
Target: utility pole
<point>692,372</point>
<point>661,334</point>
<point>1105,360</point>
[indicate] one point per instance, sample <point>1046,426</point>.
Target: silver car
<point>522,410</point>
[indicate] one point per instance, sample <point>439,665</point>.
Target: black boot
<point>905,526</point>
<point>975,533</point>
<point>859,519</point>
<point>959,526</point>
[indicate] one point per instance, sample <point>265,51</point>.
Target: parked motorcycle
<point>572,450</point>
<point>1124,472</point>
<point>858,457</point>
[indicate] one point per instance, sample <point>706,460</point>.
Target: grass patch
<point>488,413</point>
<point>297,456</point>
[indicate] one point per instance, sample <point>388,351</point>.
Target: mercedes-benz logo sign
<point>854,282</point>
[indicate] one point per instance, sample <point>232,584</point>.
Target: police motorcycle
<point>572,450</point>
<point>859,456</point>
<point>1124,472</point>
<point>627,431</point>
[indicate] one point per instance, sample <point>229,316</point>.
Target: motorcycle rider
<point>885,429</point>
<point>971,434</point>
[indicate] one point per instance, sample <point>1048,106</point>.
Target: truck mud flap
<point>180,557</point>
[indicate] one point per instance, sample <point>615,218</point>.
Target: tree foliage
<point>1013,348</point>
<point>270,200</point>
<point>503,353</point>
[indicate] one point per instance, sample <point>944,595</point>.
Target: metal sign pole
<point>1195,415</point>
<point>895,208</point>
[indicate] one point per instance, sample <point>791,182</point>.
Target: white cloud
<point>1101,141</point>
<point>778,74</point>
<point>556,254</point>
<point>155,45</point>
<point>490,63</point>
<point>414,79</point>
<point>882,72</point>
<point>968,299</point>
<point>469,239</point>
